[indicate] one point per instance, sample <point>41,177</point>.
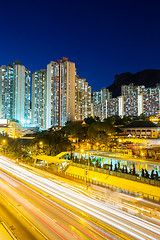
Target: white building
<point>39,81</point>
<point>82,99</point>
<point>136,100</point>
<point>99,99</point>
<point>60,96</point>
<point>15,92</point>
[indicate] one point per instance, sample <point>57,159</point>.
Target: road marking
<point>24,217</point>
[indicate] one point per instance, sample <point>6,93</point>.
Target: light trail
<point>51,209</point>
<point>42,215</point>
<point>33,226</point>
<point>132,225</point>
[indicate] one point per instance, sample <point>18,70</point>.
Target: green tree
<point>53,142</point>
<point>89,120</point>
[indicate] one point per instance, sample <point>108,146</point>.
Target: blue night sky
<point>103,38</point>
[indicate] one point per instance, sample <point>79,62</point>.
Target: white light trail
<point>125,222</point>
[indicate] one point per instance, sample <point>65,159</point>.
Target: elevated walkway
<point>105,179</point>
<point>45,159</point>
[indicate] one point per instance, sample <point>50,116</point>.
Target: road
<point>52,209</point>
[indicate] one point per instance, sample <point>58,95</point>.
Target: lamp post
<point>4,142</point>
<point>88,146</point>
<point>86,169</point>
<point>82,152</point>
<point>41,145</point>
<point>97,145</point>
<point>142,154</point>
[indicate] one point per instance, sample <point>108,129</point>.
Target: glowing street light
<point>142,154</point>
<point>23,122</point>
<point>41,146</point>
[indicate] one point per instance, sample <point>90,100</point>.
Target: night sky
<point>103,38</point>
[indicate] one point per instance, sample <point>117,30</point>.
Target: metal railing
<point>120,174</point>
<point>102,184</point>
<point>88,180</point>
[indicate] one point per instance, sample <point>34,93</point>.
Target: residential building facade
<point>39,82</point>
<point>82,99</point>
<point>15,82</point>
<point>60,96</point>
<point>7,92</point>
<point>135,100</point>
<point>112,107</point>
<point>99,102</point>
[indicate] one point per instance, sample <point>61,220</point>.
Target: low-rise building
<point>142,129</point>
<point>13,128</point>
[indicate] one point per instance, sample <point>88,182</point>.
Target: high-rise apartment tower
<point>39,84</point>
<point>15,92</point>
<point>60,98</point>
<point>82,99</point>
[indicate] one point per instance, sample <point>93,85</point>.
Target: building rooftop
<point>77,122</point>
<point>141,124</point>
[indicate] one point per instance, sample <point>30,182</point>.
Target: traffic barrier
<point>149,197</point>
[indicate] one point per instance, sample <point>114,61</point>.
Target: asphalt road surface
<point>38,207</point>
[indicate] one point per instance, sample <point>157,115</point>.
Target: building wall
<point>130,105</point>
<point>99,103</point>
<point>112,106</point>
<point>131,90</point>
<point>7,93</point>
<point>88,100</point>
<point>143,132</point>
<point>60,102</point>
<point>19,92</point>
<point>121,106</point>
<point>27,103</point>
<point>70,92</point>
<point>82,99</point>
<point>135,100</point>
<point>151,104</point>
<point>38,98</point>
<point>15,92</point>
<point>50,68</point>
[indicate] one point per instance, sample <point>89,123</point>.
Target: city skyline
<point>103,39</point>
<point>80,120</point>
<point>54,96</point>
<point>59,95</point>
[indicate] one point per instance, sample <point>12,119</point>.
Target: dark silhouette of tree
<point>53,142</point>
<point>89,120</point>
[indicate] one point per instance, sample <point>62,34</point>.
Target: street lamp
<point>82,151</point>
<point>88,145</point>
<point>4,143</point>
<point>41,145</point>
<point>142,154</point>
<point>97,145</point>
